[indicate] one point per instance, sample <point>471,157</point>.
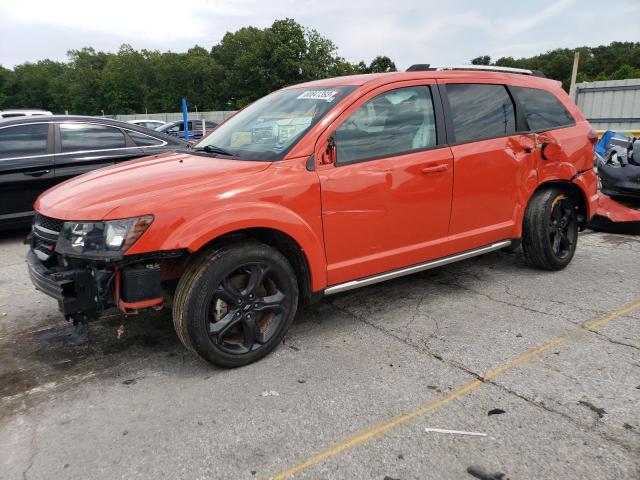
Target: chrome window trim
<point>163,144</point>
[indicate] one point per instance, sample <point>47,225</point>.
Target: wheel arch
<point>297,237</point>
<point>576,192</point>
<point>280,241</point>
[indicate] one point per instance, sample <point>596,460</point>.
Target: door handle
<point>37,173</point>
<point>435,169</point>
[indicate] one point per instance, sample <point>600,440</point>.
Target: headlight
<point>101,240</point>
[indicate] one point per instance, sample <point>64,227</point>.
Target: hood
<point>137,184</point>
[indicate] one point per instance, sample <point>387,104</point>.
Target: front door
<point>386,197</point>
<point>26,168</point>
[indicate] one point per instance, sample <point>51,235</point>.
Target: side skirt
<point>401,272</point>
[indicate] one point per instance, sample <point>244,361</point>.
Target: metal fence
<point>611,104</point>
<point>218,116</point>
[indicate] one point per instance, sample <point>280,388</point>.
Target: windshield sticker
<point>327,95</point>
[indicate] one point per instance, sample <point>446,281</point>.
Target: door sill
<point>401,272</point>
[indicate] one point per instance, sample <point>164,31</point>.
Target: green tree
<point>617,60</point>
<point>84,76</point>
<point>482,60</point>
<point>382,64</point>
<point>6,79</point>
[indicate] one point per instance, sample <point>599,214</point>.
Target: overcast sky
<point>419,31</point>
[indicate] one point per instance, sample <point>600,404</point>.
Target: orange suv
<point>317,189</point>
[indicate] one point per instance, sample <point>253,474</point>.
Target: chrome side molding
<point>401,272</point>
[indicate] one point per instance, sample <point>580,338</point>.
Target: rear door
<point>26,167</point>
<point>387,197</point>
<point>84,146</point>
<point>491,165</point>
<point>558,142</point>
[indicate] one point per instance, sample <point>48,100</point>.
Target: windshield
<point>267,129</point>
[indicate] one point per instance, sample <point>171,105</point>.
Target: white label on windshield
<point>327,95</point>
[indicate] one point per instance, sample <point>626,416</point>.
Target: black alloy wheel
<point>247,308</point>
<point>550,229</point>
<point>562,226</point>
<point>234,304</point>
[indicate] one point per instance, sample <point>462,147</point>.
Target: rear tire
<point>550,229</point>
<point>234,304</point>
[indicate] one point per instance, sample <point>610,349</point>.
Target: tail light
<point>593,136</point>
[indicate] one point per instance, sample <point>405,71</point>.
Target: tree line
<point>616,61</point>
<point>244,66</point>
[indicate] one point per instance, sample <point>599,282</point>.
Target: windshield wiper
<point>214,149</point>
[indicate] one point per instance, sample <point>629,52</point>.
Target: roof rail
<point>486,68</point>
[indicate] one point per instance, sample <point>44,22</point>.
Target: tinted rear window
<point>24,140</point>
<point>480,111</point>
<point>84,136</point>
<point>542,109</point>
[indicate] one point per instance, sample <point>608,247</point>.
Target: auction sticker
<point>327,95</point>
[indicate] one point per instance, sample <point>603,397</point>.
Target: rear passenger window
<point>542,109</point>
<point>24,140</point>
<point>394,122</point>
<point>85,136</point>
<point>142,140</point>
<point>480,111</point>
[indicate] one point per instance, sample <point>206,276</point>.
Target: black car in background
<point>37,153</point>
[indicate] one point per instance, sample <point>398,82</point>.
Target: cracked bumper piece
<point>76,290</point>
<point>614,217</point>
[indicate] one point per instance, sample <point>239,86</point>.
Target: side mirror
<point>329,154</point>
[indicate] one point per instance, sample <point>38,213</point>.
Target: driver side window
<point>392,123</point>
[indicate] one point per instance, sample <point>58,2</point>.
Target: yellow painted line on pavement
<point>380,429</point>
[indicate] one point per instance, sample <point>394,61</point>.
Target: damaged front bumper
<point>79,291</point>
<point>85,287</point>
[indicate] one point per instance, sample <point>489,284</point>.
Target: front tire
<point>550,229</point>
<point>235,304</point>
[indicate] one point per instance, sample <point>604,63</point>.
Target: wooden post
<point>574,74</point>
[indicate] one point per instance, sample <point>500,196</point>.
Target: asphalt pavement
<point>546,366</point>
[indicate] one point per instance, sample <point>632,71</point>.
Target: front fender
<point>202,229</point>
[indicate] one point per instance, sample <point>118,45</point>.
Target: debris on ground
<point>482,475</point>
<point>495,411</point>
<point>269,393</point>
<point>120,332</point>
<point>455,432</point>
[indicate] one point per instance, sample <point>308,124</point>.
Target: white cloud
<point>408,31</point>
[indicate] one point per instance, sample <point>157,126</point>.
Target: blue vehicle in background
<point>194,126</point>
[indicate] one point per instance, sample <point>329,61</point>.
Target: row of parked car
<point>39,150</point>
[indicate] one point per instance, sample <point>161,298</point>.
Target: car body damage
<point>616,217</point>
<point>618,164</point>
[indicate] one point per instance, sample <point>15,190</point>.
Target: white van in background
<point>23,113</point>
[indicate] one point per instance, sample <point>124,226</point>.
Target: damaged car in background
<point>618,165</point>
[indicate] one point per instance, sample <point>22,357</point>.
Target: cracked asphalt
<point>358,379</point>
